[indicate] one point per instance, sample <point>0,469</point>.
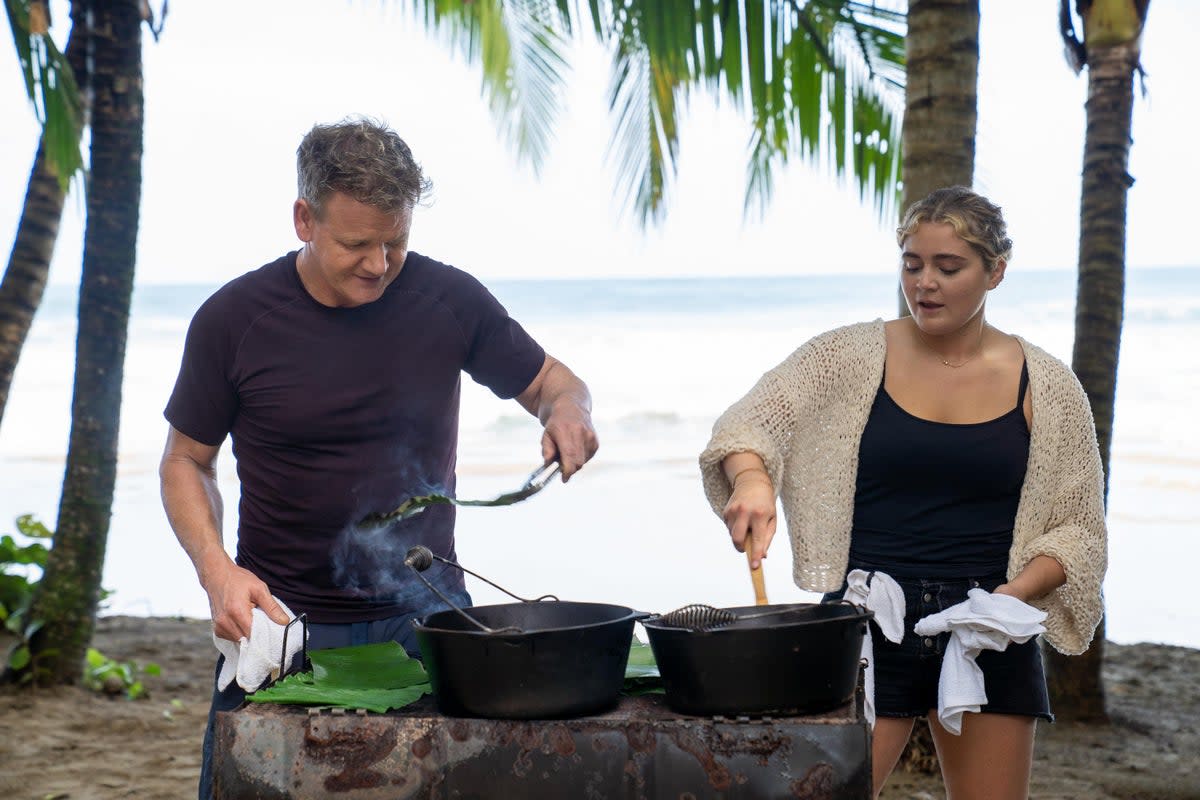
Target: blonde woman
<point>946,454</point>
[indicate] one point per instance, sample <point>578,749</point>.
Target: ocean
<point>662,358</point>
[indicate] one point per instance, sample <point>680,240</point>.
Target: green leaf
<point>19,658</point>
<point>372,666</point>
<point>50,85</point>
<point>519,45</point>
<point>641,672</point>
<point>152,669</point>
<point>641,656</point>
<point>95,658</point>
<point>300,689</point>
<point>373,676</point>
<point>636,688</point>
<point>28,525</point>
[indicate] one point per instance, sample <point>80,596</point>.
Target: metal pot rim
<point>631,615</point>
<point>854,613</point>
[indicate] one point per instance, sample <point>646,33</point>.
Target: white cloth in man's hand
<point>880,593</point>
<point>983,621</point>
<point>254,659</point>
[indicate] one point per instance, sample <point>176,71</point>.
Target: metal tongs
<point>536,481</point>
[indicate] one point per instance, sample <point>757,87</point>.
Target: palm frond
<point>519,44</point>
<point>835,101</point>
<point>642,99</point>
<point>820,79</point>
<point>656,57</point>
<point>50,85</point>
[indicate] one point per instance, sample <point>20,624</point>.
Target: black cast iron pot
<point>568,659</point>
<point>803,660</point>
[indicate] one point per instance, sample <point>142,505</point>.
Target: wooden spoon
<point>756,574</point>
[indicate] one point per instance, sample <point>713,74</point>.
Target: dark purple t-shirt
<point>336,413</point>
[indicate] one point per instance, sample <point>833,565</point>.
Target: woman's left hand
<point>1010,590</point>
<point>1040,576</point>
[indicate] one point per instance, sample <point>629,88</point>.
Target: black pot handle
<point>418,560</point>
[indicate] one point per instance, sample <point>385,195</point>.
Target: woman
<point>948,455</point>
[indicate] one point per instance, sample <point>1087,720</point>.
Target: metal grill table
<point>641,749</point>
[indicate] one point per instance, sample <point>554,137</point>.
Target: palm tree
<point>820,81</point>
<point>68,594</point>
<point>942,48</point>
<point>50,82</point>
<point>1111,51</point>
<point>940,108</point>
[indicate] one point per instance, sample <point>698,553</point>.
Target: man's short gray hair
<point>363,159</point>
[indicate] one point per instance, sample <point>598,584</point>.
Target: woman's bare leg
<point>887,743</point>
<point>991,760</point>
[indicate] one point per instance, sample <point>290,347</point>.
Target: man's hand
<point>232,596</point>
<point>562,402</point>
<point>569,437</point>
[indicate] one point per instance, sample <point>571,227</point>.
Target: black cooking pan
<point>536,659</point>
<point>800,658</point>
<point>540,660</point>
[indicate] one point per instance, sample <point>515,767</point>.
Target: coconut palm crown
<point>819,79</point>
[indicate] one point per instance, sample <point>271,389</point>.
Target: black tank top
<point>936,499</point>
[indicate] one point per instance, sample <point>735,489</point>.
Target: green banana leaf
<point>641,672</point>
<point>300,689</point>
<point>382,677</point>
<point>377,677</point>
<point>369,666</point>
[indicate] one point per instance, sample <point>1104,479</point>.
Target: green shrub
<point>22,562</point>
<point>103,674</point>
<point>22,559</point>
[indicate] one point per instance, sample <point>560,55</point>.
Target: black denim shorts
<point>906,674</point>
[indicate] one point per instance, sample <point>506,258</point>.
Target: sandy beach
<point>73,744</point>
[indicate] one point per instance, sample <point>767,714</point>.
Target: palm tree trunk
<point>29,262</point>
<point>938,136</point>
<point>70,588</point>
<point>940,113</point>
<point>1076,688</point>
<point>28,266</point>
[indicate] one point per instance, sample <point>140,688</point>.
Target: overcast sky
<point>232,86</point>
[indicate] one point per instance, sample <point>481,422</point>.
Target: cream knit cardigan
<point>805,418</point>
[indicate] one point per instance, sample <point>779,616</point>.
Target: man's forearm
<point>195,510</point>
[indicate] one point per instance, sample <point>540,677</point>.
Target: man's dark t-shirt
<point>336,413</point>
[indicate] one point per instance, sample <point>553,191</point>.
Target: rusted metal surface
<point>640,750</point>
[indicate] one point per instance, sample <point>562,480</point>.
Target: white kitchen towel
<point>880,593</point>
<point>983,621</point>
<point>255,659</point>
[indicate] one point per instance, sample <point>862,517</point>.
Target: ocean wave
<point>642,420</point>
<point>510,423</point>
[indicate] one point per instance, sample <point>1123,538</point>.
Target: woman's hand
<point>751,508</point>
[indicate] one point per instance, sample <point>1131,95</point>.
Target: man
<point>336,372</point>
